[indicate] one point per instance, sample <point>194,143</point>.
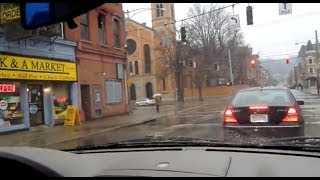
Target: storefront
<point>35,91</point>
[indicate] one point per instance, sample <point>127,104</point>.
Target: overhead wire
<point>293,17</point>
<point>191,17</point>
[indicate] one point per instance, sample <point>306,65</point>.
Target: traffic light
<point>253,63</point>
<point>287,61</point>
<point>249,16</point>
<point>183,34</point>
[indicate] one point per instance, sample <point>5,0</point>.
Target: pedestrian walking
<point>158,101</point>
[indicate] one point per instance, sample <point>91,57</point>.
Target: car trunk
<point>273,114</point>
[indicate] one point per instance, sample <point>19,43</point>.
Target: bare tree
<point>208,33</point>
<point>174,56</point>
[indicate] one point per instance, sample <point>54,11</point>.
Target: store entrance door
<point>85,100</point>
<point>35,96</point>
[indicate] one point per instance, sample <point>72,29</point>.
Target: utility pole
<point>317,65</point>
<point>127,74</point>
<point>230,64</point>
<point>181,60</point>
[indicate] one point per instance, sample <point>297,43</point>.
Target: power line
<point>264,56</point>
<point>182,20</point>
<point>282,20</point>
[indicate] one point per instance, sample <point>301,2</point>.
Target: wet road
<point>195,119</point>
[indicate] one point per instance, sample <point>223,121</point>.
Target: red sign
<point>7,88</point>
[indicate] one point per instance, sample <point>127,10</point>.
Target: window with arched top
<point>147,59</point>
<point>136,67</point>
<point>102,28</point>
<point>172,11</point>
<point>160,10</point>
<point>163,84</point>
<point>130,68</point>
<point>116,32</point>
<point>84,26</point>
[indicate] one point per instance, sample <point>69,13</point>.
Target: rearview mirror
<point>300,102</point>
<point>36,15</point>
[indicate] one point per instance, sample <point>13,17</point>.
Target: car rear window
<point>269,97</point>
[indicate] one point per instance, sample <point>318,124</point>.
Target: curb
<point>106,130</point>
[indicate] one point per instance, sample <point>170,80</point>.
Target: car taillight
<point>228,117</point>
<point>292,116</point>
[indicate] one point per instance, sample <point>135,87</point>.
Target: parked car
<point>145,102</point>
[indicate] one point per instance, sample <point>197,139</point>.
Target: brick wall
<point>97,62</point>
<point>212,91</point>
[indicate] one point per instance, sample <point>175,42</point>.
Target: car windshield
<point>268,97</point>
<point>233,73</point>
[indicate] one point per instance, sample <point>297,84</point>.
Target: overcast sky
<point>272,35</point>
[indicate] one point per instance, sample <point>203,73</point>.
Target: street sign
<point>285,8</point>
<point>72,115</point>
<point>234,21</point>
<point>9,12</point>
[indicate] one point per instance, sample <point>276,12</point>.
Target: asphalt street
<point>194,119</point>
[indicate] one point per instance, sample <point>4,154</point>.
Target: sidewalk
<point>43,136</point>
<point>311,90</point>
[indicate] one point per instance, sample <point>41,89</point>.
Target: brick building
<point>101,58</point>
<point>145,59</point>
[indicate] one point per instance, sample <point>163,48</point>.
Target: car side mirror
<point>300,102</point>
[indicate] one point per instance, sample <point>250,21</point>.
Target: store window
<point>113,91</point>
<point>61,101</point>
<point>10,106</point>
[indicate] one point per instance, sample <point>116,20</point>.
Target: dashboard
<point>186,161</point>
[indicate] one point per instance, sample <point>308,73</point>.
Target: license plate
<point>259,118</point>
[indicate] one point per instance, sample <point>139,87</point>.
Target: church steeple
<point>163,15</point>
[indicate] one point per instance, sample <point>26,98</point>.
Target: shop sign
<point>27,68</point>
<point>33,109</point>
<point>72,116</point>
<point>3,105</point>
<point>9,11</point>
<point>7,88</point>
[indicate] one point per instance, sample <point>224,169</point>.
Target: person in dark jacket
<point>158,101</point>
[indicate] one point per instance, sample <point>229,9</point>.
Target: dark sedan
<point>270,111</point>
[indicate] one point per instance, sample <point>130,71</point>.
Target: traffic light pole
<point>231,74</point>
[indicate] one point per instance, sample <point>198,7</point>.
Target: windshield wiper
<point>159,142</point>
<point>293,143</point>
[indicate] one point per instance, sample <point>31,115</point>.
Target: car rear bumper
<point>264,126</point>
<point>278,131</point>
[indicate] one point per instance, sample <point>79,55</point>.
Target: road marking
<point>173,128</point>
<point>312,122</point>
<point>193,107</point>
<point>202,113</point>
<point>311,115</point>
<point>199,115</point>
